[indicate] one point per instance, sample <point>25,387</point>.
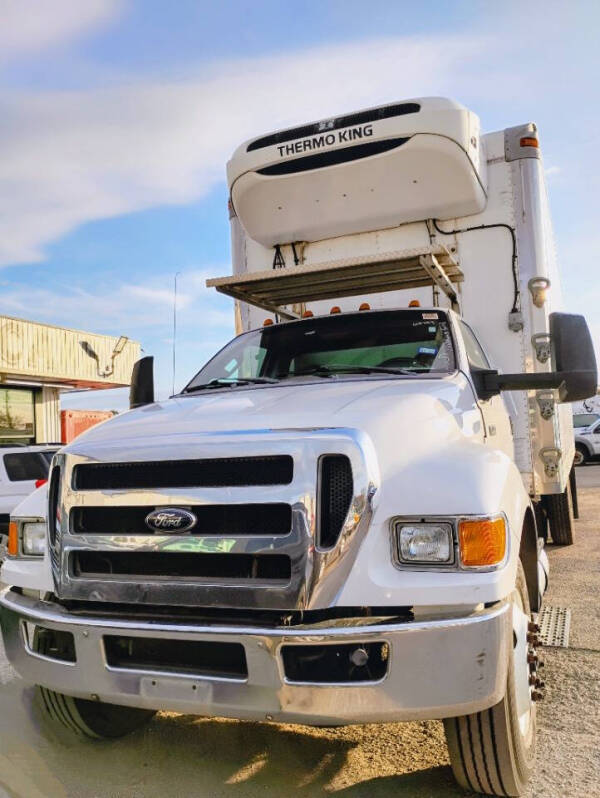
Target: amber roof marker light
<point>529,141</point>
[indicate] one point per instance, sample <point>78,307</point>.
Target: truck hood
<point>400,408</point>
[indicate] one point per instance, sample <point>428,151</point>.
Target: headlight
<point>33,538</point>
<point>425,543</point>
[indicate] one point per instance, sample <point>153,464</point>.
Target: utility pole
<point>174,324</point>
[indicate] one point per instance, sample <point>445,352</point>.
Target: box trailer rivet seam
<point>356,488</point>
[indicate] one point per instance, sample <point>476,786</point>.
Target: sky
<point>117,118</point>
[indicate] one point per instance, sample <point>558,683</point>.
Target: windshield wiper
<point>326,371</point>
<point>230,382</point>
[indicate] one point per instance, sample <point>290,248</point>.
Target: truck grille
<point>270,526</point>
<point>212,473</point>
<point>184,565</point>
<point>230,520</point>
<point>335,497</point>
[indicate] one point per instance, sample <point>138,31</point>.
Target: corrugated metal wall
<point>56,354</point>
<point>47,415</point>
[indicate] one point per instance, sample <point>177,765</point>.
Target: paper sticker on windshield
<point>429,316</point>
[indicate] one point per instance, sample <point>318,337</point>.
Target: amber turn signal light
<point>482,541</point>
<point>13,539</point>
<point>529,141</point>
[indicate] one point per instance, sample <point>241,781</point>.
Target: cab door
<point>496,419</point>
<point>594,438</point>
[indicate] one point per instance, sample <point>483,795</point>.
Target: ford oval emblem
<point>170,520</point>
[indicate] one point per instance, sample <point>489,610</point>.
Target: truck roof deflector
<point>273,289</point>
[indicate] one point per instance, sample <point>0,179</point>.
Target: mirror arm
<point>488,382</point>
<point>525,382</point>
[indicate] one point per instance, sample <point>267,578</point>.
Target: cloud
<point>74,156</point>
<point>32,25</point>
<point>119,308</point>
<point>143,312</point>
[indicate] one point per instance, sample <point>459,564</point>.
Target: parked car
<point>22,469</point>
<point>587,442</point>
<point>31,568</point>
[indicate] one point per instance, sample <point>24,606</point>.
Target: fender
<point>463,478</point>
<point>528,554</point>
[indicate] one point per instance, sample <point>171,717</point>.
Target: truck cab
<point>340,518</point>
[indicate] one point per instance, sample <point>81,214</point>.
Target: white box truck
<point>340,519</point>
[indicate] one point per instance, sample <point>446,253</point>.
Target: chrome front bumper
<point>437,668</point>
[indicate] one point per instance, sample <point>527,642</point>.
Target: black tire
<point>561,518</point>
<point>541,520</point>
<point>488,753</point>
<point>85,718</point>
<point>582,455</point>
<point>93,719</point>
<point>574,496</point>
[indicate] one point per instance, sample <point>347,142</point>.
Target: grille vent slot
<point>193,657</point>
<point>213,473</point>
<point>316,128</point>
<point>335,496</point>
<point>179,565</point>
<point>213,519</point>
<point>332,157</point>
<point>53,503</point>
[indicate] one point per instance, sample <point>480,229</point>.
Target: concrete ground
<point>182,755</point>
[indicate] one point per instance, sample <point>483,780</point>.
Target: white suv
<point>587,443</point>
<point>22,470</point>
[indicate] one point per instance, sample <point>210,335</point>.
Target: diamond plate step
<point>555,625</point>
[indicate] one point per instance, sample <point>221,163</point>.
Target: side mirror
<point>575,372</point>
<point>573,355</point>
<point>141,391</point>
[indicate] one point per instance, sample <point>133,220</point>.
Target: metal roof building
<point>38,361</point>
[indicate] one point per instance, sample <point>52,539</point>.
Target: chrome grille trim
<point>316,576</point>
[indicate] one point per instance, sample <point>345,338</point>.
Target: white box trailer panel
<point>487,266</point>
<point>366,171</point>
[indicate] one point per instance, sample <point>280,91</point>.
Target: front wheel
<point>94,719</point>
<point>82,717</point>
<point>581,455</point>
<point>561,516</point>
<point>493,752</point>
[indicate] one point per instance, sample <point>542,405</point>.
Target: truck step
<point>555,625</point>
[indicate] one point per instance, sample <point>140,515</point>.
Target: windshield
<point>395,342</point>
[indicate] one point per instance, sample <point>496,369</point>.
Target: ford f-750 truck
<point>341,518</point>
